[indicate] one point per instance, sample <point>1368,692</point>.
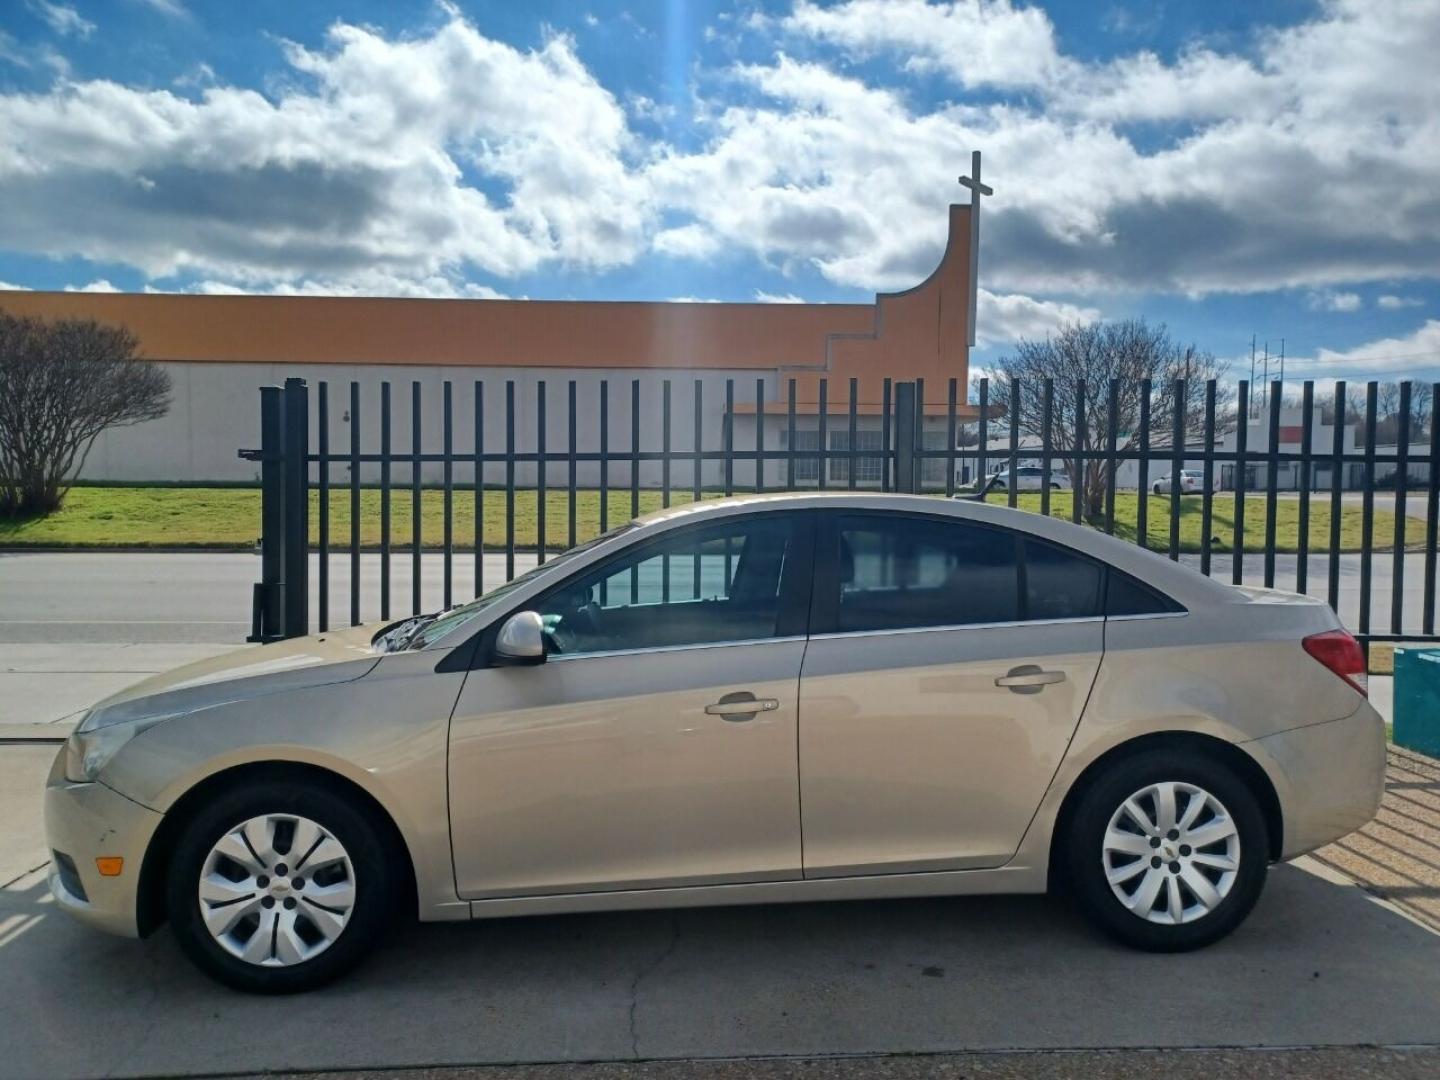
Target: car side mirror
<point>522,639</point>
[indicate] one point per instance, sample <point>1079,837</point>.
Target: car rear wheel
<point>279,888</point>
<point>1158,490</point>
<point>1168,851</point>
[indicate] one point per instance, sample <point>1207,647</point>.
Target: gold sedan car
<point>774,698</point>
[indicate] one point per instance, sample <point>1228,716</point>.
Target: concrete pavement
<point>1300,1063</point>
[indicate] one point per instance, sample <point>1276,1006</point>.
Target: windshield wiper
<point>401,635</point>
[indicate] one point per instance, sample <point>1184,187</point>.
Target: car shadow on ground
<point>1319,962</point>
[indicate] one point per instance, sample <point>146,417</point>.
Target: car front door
<point>655,745</point>
<point>947,668</point>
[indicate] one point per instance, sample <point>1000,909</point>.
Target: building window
<point>869,468</point>
<point>932,469</point>
<point>807,449</point>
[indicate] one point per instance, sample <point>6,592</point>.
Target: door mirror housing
<point>521,639</point>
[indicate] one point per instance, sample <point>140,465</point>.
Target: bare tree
<point>1387,399</point>
<point>1420,406</point>
<point>61,384</point>
<point>1092,355</point>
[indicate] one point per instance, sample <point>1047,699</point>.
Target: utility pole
<point>1251,406</point>
<point>1282,362</point>
<point>1266,376</point>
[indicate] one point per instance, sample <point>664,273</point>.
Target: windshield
<point>438,626</point>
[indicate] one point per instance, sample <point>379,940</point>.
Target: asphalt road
<point>191,597</point>
<point>1318,964</point>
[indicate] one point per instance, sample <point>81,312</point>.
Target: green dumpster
<point>1417,700</point>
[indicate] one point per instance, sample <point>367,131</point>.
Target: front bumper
<point>1329,777</point>
<point>84,822</point>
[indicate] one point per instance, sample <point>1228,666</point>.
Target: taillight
<point>1342,654</point>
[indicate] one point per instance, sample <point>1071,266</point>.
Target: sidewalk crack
<point>645,973</point>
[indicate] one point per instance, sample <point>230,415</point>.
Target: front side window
<point>701,586</point>
<point>904,572</point>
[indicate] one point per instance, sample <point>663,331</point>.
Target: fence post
<point>907,464</point>
<point>296,541</point>
<point>268,597</point>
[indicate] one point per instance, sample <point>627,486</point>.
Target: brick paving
<point>1397,856</point>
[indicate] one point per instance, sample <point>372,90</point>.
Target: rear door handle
<point>1029,679</point>
<point>741,705</point>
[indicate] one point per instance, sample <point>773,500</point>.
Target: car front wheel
<point>277,887</point>
<point>1168,851</point>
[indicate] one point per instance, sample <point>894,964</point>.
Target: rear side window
<point>899,572</point>
<point>1060,584</point>
<point>1126,596</point>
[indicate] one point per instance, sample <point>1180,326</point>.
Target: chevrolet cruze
<point>762,699</point>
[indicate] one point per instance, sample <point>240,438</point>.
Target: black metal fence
<point>597,473</point>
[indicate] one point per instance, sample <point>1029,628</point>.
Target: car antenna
<point>982,490</point>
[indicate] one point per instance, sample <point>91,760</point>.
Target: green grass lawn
<point>230,518</point>
<point>1222,521</point>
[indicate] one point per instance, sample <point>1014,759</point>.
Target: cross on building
<point>976,188</point>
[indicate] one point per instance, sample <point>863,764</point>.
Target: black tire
<point>338,813</point>
<point>1156,490</point>
<point>1084,842</point>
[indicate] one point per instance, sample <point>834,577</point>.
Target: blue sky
<point>1267,168</point>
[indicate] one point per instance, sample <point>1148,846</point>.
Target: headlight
<point>87,752</point>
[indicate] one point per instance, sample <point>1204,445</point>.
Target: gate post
<point>268,598</point>
<point>907,464</point>
<point>297,508</point>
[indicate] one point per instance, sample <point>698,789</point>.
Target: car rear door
<point>948,666</point>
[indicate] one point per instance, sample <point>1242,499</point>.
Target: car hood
<point>332,657</point>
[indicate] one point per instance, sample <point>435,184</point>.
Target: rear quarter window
<point>1059,584</point>
<point>1124,595</point>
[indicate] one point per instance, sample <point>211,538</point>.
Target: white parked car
<point>1030,478</point>
<point>1191,481</point>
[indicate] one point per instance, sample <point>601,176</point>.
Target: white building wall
<point>215,411</point>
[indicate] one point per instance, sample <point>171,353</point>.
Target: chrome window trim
<point>1149,615</point>
<point>561,657</point>
<point>958,626</point>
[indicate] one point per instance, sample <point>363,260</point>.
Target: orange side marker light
<point>109,865</point>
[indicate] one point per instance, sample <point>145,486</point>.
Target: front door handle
<point>1029,679</point>
<point>741,705</point>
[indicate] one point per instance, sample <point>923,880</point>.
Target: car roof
<point>1184,584</point>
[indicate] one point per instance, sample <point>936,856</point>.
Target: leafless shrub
<point>61,384</point>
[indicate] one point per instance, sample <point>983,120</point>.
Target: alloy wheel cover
<point>276,890</point>
<point>1171,853</point>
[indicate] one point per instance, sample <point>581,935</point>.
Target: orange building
<point>220,349</point>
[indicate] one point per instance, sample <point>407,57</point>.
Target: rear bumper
<point>84,822</point>
<point>1329,777</point>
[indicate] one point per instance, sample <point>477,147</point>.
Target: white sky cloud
<point>1391,302</point>
<point>1001,319</point>
<point>368,157</point>
<point>1327,300</point>
<point>1307,158</point>
<point>62,18</point>
<point>1385,358</point>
